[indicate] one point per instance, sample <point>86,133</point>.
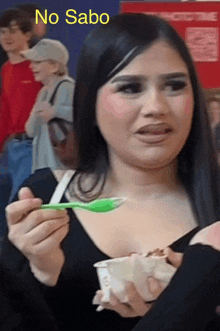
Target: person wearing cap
<point>49,60</point>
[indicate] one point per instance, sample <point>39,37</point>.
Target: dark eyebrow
<point>135,78</point>
<point>174,75</point>
<point>130,78</point>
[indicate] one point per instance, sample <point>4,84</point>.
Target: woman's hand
<point>208,236</point>
<point>135,304</point>
<point>45,111</point>
<point>37,234</point>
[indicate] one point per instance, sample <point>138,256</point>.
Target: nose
<point>154,103</point>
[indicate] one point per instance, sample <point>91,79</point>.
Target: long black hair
<point>106,51</point>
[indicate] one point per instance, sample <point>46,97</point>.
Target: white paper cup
<point>114,273</point>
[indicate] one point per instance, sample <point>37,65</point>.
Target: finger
<point>25,193</point>
<point>123,309</point>
<point>135,300</point>
<point>36,226</point>
<point>16,211</point>
<point>37,217</point>
<point>97,298</point>
<point>52,241</point>
<point>173,257</point>
<point>45,230</point>
<point>154,286</point>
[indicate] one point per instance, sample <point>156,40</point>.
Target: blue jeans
<point>19,162</point>
<point>15,167</point>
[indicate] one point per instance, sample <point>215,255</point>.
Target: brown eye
<point>130,88</point>
<point>175,86</point>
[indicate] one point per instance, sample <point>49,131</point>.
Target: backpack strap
<point>61,187</point>
<point>53,96</point>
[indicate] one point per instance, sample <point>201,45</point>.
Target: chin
<point>156,164</point>
<point>36,79</point>
<point>8,48</point>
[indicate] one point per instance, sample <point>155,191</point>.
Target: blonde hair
<point>62,69</point>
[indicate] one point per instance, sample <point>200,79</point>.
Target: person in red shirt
<point>19,89</point>
<point>39,29</point>
<point>18,95</point>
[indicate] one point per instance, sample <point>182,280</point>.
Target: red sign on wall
<point>199,24</point>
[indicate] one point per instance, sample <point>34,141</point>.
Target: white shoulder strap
<point>61,187</point>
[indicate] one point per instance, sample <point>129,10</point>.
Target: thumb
<point>174,258</point>
<point>25,193</point>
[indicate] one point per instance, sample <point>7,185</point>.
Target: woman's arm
<point>189,302</point>
<point>32,123</point>
<point>37,234</point>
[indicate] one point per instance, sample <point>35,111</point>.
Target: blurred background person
<point>49,60</point>
<point>214,111</point>
<point>38,30</point>
<point>214,114</point>
<point>19,92</point>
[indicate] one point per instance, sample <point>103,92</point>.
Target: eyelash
<point>176,85</point>
<point>133,87</point>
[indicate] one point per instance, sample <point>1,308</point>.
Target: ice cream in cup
<point>114,273</point>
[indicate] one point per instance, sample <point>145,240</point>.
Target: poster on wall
<point>199,24</point>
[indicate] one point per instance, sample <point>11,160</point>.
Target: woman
<point>214,111</point>
<point>214,114</point>
<point>49,60</point>
<point>138,112</point>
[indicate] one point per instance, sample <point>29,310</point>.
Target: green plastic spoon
<point>96,206</point>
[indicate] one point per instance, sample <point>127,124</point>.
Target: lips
<point>154,133</point>
<point>155,128</point>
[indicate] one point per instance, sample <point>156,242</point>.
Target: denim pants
<point>15,167</point>
<point>19,162</point>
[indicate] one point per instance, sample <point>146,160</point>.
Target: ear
<point>28,35</point>
<point>55,67</point>
<point>39,29</point>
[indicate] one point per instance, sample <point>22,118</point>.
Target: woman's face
<point>145,111</point>
<point>43,70</point>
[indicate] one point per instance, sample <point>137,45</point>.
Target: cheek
<point>184,106</point>
<point>189,105</point>
<point>43,71</point>
<point>114,105</point>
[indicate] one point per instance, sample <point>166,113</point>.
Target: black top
<point>188,303</point>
